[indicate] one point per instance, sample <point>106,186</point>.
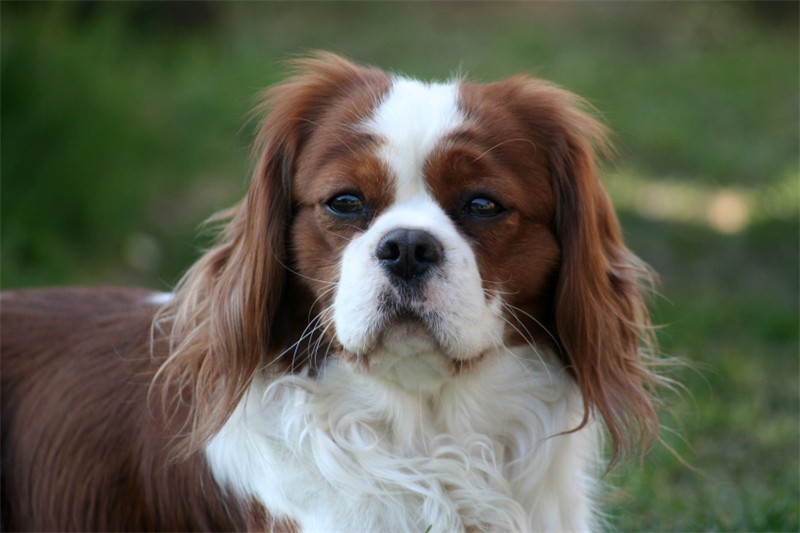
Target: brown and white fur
<point>422,316</point>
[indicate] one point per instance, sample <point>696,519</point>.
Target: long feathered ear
<point>601,318</point>
<point>601,314</point>
<point>220,319</point>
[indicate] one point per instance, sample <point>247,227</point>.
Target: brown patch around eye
<point>494,182</point>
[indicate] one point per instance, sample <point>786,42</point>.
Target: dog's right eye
<point>346,204</point>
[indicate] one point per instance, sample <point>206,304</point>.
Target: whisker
<point>520,328</point>
<point>513,309</point>
<point>498,145</point>
<point>530,342</point>
<point>310,278</point>
<point>332,132</point>
<point>344,237</point>
<point>309,331</point>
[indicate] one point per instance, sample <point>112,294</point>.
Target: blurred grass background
<point>124,125</point>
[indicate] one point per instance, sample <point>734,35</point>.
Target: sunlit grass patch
<point>725,209</point>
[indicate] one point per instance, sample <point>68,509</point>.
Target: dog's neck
<point>487,450</point>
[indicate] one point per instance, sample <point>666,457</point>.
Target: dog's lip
<point>409,329</point>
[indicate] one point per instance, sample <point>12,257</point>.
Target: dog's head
<point>414,230</point>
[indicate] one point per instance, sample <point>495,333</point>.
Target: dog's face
<point>414,230</point>
<point>430,230</point>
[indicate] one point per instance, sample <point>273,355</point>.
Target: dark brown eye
<point>482,207</point>
<point>346,204</point>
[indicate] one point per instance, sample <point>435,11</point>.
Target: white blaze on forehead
<point>412,119</point>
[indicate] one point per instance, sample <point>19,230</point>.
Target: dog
<point>421,317</point>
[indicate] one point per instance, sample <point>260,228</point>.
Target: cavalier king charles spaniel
<point>421,317</point>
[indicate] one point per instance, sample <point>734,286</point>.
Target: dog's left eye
<point>483,207</point>
<point>346,204</point>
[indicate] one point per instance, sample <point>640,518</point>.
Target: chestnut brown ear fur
<point>602,322</point>
<point>601,314</point>
<point>220,320</point>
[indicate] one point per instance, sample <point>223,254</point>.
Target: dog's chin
<point>408,354</point>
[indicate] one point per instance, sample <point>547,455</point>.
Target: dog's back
<point>76,373</point>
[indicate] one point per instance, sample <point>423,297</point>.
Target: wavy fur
<point>236,404</point>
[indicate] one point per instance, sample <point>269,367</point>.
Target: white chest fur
<point>348,452</point>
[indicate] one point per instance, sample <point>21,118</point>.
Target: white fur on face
<point>460,322</point>
<point>412,120</point>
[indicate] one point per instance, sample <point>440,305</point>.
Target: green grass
<point>123,128</point>
<point>738,423</point>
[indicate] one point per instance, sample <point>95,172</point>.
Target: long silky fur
<point>287,430</point>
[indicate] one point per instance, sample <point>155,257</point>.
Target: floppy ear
<point>220,319</point>
<point>601,316</point>
<point>602,324</point>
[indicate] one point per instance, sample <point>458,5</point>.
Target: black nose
<point>408,253</point>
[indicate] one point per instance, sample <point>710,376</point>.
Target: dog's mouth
<point>406,331</point>
<point>408,349</point>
